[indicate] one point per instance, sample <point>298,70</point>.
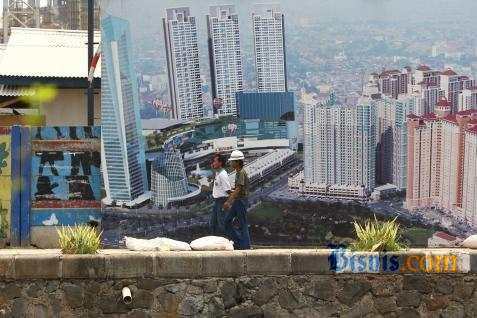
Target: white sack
<point>470,242</point>
<point>212,243</point>
<point>157,244</point>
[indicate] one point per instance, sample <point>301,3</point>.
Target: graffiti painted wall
<point>66,176</point>
<point>5,182</point>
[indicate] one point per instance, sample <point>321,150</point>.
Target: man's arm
<point>233,196</point>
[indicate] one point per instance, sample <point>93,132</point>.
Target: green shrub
<point>82,239</point>
<point>376,236</point>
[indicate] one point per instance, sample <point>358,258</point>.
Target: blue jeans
<point>241,237</point>
<point>216,222</point>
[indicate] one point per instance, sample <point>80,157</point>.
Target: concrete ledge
<point>223,264</point>
<point>7,267</point>
<point>48,266</point>
<point>118,264</point>
<point>177,265</point>
<point>268,262</point>
<point>310,261</point>
<point>83,266</point>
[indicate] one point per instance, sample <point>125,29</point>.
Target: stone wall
<point>284,283</point>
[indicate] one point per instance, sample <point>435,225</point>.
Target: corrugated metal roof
<point>47,53</point>
<point>16,91</point>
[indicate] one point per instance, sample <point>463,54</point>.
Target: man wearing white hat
<point>237,204</point>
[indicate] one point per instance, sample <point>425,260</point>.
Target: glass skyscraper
<point>124,166</point>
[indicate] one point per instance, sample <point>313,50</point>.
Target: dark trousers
<point>216,222</point>
<point>241,236</point>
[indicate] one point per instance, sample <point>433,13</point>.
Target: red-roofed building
<point>443,107</point>
<point>425,86</point>
<point>392,83</point>
<point>442,239</point>
<point>443,103</point>
<point>423,68</point>
<point>442,163</point>
<point>453,87</point>
<point>449,72</point>
<point>473,129</point>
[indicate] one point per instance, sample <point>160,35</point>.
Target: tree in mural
<point>3,156</point>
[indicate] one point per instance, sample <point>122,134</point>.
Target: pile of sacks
<point>208,243</point>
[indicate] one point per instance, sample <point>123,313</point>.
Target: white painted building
<point>266,165</point>
<point>225,57</point>
<point>442,239</point>
<point>50,57</point>
<point>182,51</point>
<point>468,99</point>
<point>269,42</point>
<point>391,165</point>
<point>452,84</point>
<point>383,191</point>
<point>339,149</point>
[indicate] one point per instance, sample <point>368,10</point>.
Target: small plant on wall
<point>377,236</point>
<point>81,239</point>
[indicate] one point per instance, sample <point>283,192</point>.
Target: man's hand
<point>227,205</point>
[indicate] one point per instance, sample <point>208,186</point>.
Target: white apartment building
<point>225,57</point>
<point>269,43</point>
<point>468,99</point>
<point>339,149</point>
<point>425,97</point>
<point>391,165</point>
<point>452,85</point>
<point>182,51</point>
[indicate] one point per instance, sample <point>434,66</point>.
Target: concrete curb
<point>119,264</point>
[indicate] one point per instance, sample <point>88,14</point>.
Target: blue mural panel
<point>77,187</point>
<point>66,133</point>
<point>66,175</point>
<point>66,163</point>
<point>64,217</point>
